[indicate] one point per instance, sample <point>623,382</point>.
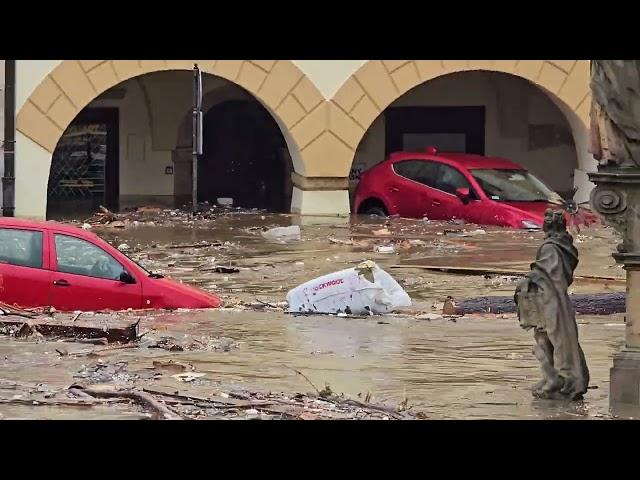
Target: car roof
<point>48,225</point>
<point>465,160</point>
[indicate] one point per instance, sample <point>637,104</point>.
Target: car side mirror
<point>125,277</point>
<point>463,194</point>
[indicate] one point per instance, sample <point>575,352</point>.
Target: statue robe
<point>552,313</point>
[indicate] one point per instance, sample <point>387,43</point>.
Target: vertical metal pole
<point>8,180</point>
<point>197,132</point>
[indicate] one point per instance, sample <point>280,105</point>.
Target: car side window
<point>450,179</point>
<point>80,257</point>
<point>421,171</point>
<point>22,248</point>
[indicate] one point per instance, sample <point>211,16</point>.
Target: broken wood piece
<point>6,309</point>
<point>213,400</point>
<point>499,271</point>
<point>97,351</point>
<point>91,341</point>
<point>585,303</point>
<point>45,403</point>
<point>266,304</point>
<point>141,398</point>
<point>194,245</point>
<point>113,328</point>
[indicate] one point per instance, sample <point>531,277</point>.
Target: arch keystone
<point>153,65</point>
<point>251,77</point>
<point>126,69</point>
<point>228,69</point>
<point>529,69</point>
<point>103,77</point>
<point>406,77</point>
<point>456,65</point>
<point>429,69</point>
<point>481,64</point>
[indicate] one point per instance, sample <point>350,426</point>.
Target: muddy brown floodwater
<point>478,366</point>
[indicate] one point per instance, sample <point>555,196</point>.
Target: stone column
<point>617,198</point>
<point>320,197</point>
<point>614,143</point>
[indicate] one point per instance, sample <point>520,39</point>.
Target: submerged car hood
<point>190,296</point>
<point>534,209</point>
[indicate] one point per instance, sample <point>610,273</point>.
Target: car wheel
<point>377,211</point>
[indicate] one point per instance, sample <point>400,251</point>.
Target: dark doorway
<point>245,157</point>
<point>85,165</point>
<point>451,129</point>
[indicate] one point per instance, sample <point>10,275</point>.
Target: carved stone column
<point>615,143</point>
<point>617,198</point>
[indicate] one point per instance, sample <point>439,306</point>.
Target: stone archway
<point>284,90</point>
<point>378,83</point>
<point>182,157</point>
<point>278,84</point>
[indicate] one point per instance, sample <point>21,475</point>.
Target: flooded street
<point>477,366</point>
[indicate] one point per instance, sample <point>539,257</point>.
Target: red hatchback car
<point>444,186</point>
<point>50,264</point>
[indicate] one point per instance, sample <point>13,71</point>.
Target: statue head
<point>554,221</point>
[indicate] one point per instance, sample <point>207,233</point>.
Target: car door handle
<point>61,283</point>
<point>435,203</point>
<point>394,189</point>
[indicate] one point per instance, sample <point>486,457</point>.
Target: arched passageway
<point>480,112</point>
<point>151,98</point>
<point>245,157</point>
<point>130,147</point>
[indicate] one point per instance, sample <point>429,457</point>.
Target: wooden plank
<point>586,304</point>
<point>114,328</point>
<point>499,271</point>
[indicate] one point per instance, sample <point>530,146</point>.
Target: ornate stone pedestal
<point>617,198</point>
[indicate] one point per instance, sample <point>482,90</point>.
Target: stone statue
<point>544,306</point>
<point>615,112</point>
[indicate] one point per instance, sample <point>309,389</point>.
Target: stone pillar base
<point>320,202</point>
<point>320,195</point>
<point>625,378</point>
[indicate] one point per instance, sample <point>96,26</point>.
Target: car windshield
<point>148,272</point>
<point>504,185</point>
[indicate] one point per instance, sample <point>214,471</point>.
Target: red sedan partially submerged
<point>444,186</point>
<point>50,264</point>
